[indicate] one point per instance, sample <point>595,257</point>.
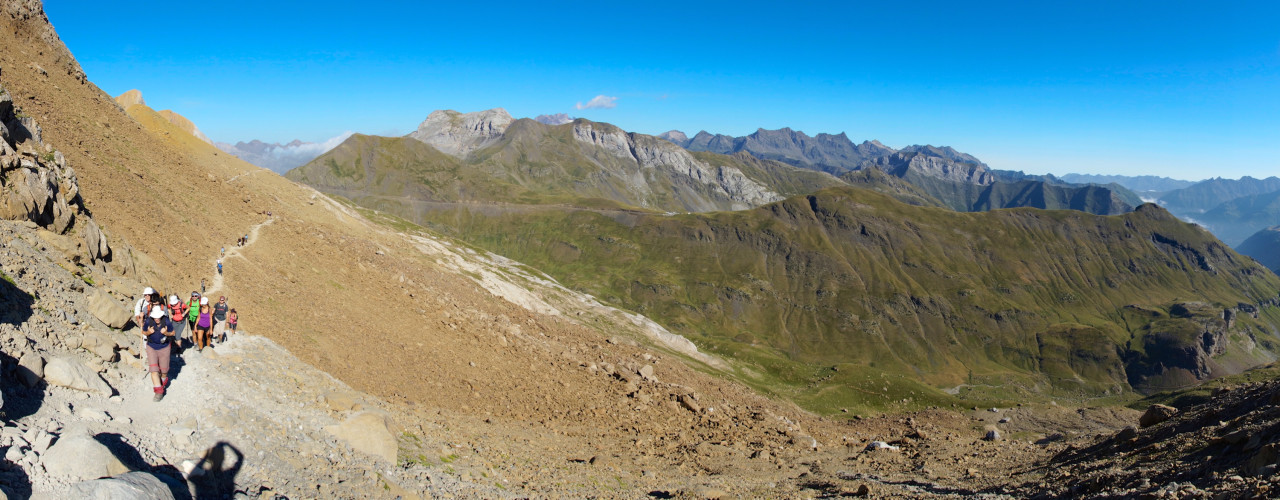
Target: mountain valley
<point>491,307</point>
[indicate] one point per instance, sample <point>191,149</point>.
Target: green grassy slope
<point>1027,301</point>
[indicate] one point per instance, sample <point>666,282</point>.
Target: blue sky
<point>1188,90</point>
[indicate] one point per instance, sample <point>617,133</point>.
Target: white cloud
<point>599,102</point>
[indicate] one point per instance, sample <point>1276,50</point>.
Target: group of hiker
<point>165,321</point>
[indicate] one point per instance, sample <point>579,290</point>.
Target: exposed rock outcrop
<point>458,134</point>
<point>650,153</point>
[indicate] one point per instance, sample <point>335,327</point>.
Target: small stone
<point>646,372</point>
<point>1127,433</point>
<point>881,445</point>
<point>992,435</point>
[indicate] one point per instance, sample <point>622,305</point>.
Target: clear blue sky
<point>1184,89</point>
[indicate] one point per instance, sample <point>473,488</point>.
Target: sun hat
<point>173,300</point>
<point>157,312</point>
<point>148,291</point>
<point>204,301</point>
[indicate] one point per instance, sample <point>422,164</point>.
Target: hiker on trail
<point>219,267</point>
<point>232,320</point>
<point>178,317</point>
<point>144,304</point>
<point>193,310</point>
<point>204,321</point>
<point>220,319</point>
<point>223,252</point>
<point>201,286</point>
<point>158,331</point>
<point>244,241</point>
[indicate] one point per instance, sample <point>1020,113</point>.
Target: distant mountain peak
<point>556,119</point>
<point>130,98</point>
<point>458,134</point>
<point>675,136</point>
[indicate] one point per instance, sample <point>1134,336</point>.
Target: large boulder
<point>368,432</point>
<point>71,373</point>
<point>127,486</point>
<point>107,310</point>
<point>30,369</point>
<point>1156,414</point>
<point>81,457</point>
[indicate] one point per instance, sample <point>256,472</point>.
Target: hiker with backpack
<point>158,332</point>
<point>204,322</point>
<point>178,317</point>
<point>144,304</point>
<point>219,267</point>
<point>193,310</point>
<point>220,319</point>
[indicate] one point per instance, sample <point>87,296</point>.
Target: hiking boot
<point>159,395</point>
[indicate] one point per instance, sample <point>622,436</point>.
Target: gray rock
<point>107,310</point>
<point>1156,414</point>
<point>71,373</point>
<point>80,457</point>
<point>458,134</point>
<point>127,486</point>
<point>992,435</point>
<point>368,432</point>
<point>646,372</point>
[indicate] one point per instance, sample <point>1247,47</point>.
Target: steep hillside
<point>484,381</point>
<point>1264,246</point>
<point>853,279</point>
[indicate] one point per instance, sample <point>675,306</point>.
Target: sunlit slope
<point>1046,300</point>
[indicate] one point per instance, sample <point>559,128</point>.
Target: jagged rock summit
<point>458,134</point>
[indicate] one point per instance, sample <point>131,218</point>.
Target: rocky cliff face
<point>458,134</point>
<point>39,186</point>
<point>903,163</point>
<point>652,153</point>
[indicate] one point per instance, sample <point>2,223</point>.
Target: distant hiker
<point>177,316</point>
<point>201,286</point>
<point>193,310</point>
<point>158,331</point>
<point>245,241</point>
<point>204,321</point>
<point>219,267</point>
<point>232,319</point>
<point>144,304</point>
<point>220,319</point>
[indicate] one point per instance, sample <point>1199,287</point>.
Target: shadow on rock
<point>214,475</point>
<point>16,306</point>
<point>19,400</point>
<point>129,456</point>
<point>14,480</point>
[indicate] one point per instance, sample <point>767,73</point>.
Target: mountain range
<point>278,157</point>
<point>809,269</point>
<point>1139,183</point>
